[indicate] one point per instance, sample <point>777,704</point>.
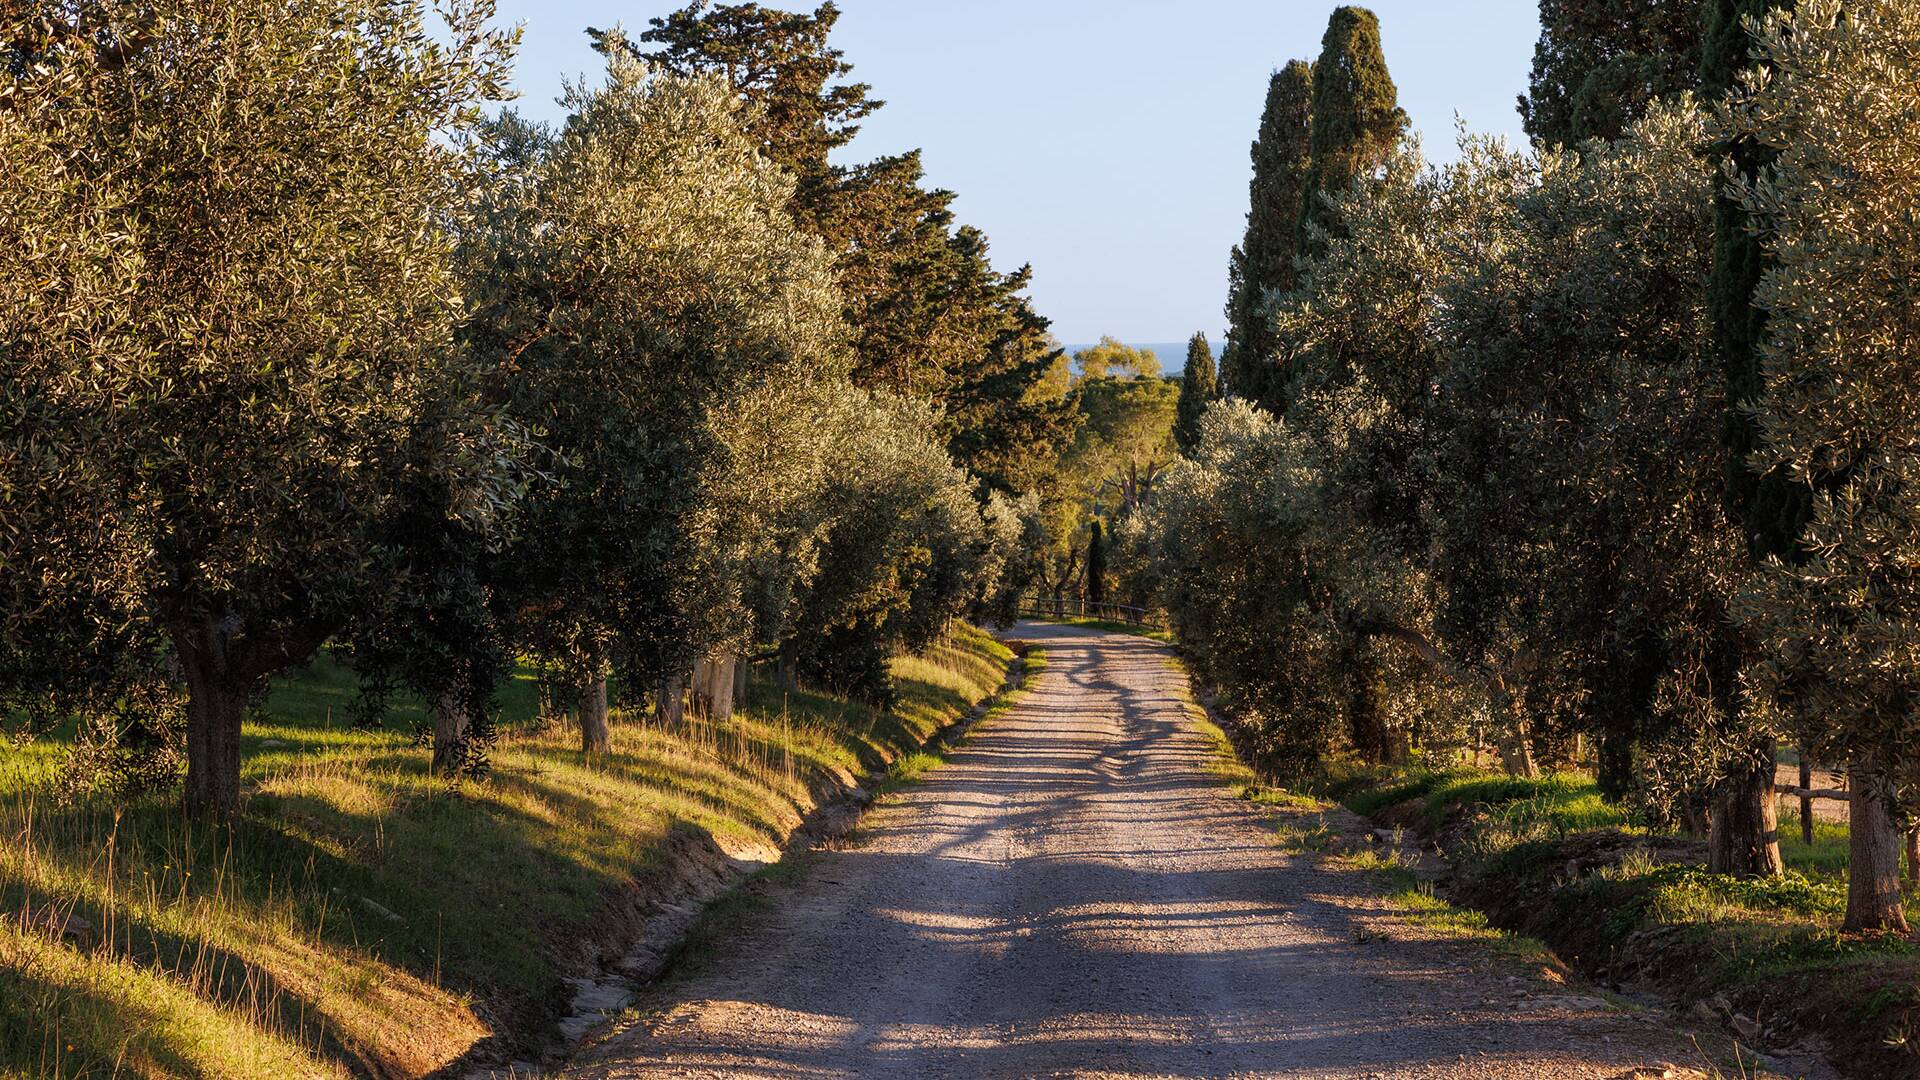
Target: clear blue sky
<point>1103,142</point>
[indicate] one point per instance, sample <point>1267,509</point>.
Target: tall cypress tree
<point>1771,508</point>
<point>1264,260</point>
<point>1199,388</point>
<point>1600,63</point>
<point>1357,119</point>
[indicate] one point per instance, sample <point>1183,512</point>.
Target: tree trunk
<point>449,734</point>
<point>1806,804</point>
<point>215,709</point>
<point>594,736</point>
<point>1510,738</point>
<point>700,690</point>
<point>1693,817</point>
<point>789,664</point>
<point>1743,838</point>
<point>1873,851</point>
<point>740,668</point>
<point>670,704</point>
<point>720,688</point>
<point>1365,726</point>
<point>1913,857</point>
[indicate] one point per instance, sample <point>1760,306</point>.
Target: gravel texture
<point>1074,894</point>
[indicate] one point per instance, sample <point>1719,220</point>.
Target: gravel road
<point>1074,895</point>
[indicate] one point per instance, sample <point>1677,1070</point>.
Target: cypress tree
<point>1264,260</point>
<point>1199,388</point>
<point>1771,508</point>
<point>1357,119</point>
<point>1600,63</point>
<point>1096,566</point>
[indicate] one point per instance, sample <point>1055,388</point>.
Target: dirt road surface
<point>1074,894</point>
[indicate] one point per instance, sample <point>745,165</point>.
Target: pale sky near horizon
<point>1103,142</point>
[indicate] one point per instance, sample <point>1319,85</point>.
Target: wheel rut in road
<point>1075,894</point>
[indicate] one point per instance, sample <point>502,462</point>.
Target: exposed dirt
<point>1073,894</point>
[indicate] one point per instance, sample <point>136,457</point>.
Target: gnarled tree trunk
<point>1366,727</point>
<point>788,665</point>
<point>595,738</point>
<point>449,734</point>
<point>1873,850</point>
<point>1744,835</point>
<point>215,709</point>
<point>222,667</point>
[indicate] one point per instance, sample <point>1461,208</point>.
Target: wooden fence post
<point>1806,802</point>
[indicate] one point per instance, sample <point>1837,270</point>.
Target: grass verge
<point>1545,858</point>
<point>362,916</point>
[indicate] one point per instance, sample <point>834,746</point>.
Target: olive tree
<point>1838,412</point>
<point>222,403</point>
<point>655,313</point>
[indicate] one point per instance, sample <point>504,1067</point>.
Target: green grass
<point>1547,859</point>
<point>1826,856</point>
<point>361,908</point>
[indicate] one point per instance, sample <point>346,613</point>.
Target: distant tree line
<point>1614,439</point>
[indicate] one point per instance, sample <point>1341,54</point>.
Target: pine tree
<point>1600,63</point>
<point>1357,119</point>
<point>1096,565</point>
<point>1199,388</point>
<point>931,318</point>
<point>1263,262</point>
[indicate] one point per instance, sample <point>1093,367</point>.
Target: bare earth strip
<point>1074,895</point>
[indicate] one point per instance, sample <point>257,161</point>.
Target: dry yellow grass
<point>361,909</point>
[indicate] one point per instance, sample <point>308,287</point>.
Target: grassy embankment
<point>363,916</point>
<point>1546,859</point>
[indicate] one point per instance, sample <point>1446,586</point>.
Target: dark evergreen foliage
<point>1772,508</point>
<point>931,317</point>
<point>1199,388</point>
<point>1357,119</point>
<point>1600,63</point>
<point>1263,262</point>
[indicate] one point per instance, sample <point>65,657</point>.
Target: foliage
<point>1111,359</point>
<point>231,330</point>
<point>1838,415</point>
<point>1263,262</point>
<point>675,339</point>
<point>1357,119</point>
<point>1199,389</point>
<point>930,316</point>
<point>1599,64</point>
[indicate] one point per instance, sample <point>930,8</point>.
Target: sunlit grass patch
<point>362,909</point>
